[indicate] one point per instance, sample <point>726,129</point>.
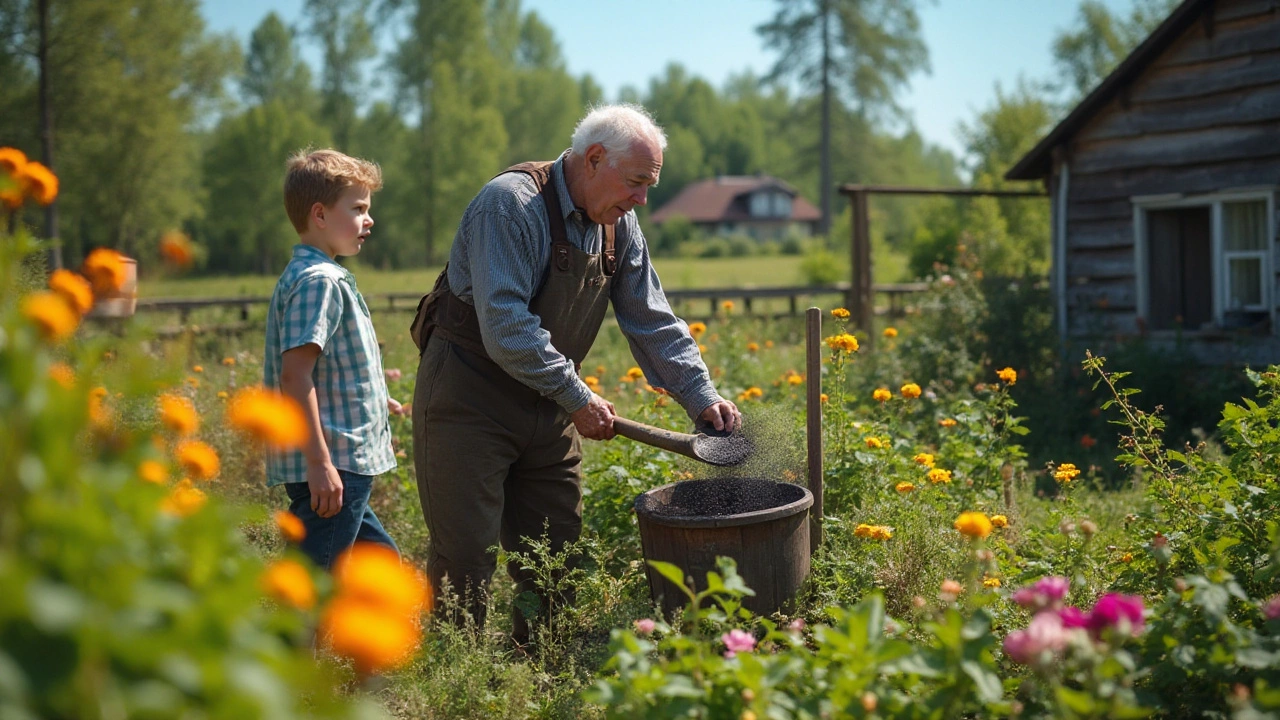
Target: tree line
<point>152,122</point>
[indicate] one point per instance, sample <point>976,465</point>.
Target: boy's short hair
<point>320,176</point>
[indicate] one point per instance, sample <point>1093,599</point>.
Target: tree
<point>247,229</point>
<point>865,49</point>
<point>273,70</point>
<point>1099,41</point>
<point>343,30</point>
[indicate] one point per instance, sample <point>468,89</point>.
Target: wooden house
<point>1164,183</point>
<point>758,206</point>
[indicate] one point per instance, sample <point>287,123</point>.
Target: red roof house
<point>760,206</point>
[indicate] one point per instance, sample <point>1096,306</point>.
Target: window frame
<point>1219,256</point>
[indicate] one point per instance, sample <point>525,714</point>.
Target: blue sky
<point>973,44</point>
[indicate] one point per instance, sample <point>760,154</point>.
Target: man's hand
<point>394,407</point>
<point>326,489</point>
<point>595,419</point>
<point>723,416</point>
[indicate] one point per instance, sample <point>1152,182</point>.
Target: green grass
<point>674,272</point>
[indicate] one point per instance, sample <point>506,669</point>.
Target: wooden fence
<point>687,302</point>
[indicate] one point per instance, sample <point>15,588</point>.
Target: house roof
<point>724,199</point>
<point>1039,162</point>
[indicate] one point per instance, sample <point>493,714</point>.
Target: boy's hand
<point>394,407</point>
<point>326,489</point>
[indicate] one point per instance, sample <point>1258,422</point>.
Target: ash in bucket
<point>719,497</point>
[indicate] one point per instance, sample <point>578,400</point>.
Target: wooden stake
<point>813,420</point>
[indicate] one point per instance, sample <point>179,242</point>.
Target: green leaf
<point>1256,658</point>
<point>672,573</point>
<point>1078,702</point>
<point>987,683</point>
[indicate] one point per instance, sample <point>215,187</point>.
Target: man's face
<point>612,191</point>
<point>347,224</point>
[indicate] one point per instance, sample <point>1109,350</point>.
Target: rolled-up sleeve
<point>503,252</point>
<point>659,340</point>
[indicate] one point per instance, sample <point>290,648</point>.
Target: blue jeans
<point>355,522</point>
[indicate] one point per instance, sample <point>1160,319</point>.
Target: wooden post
<point>813,420</point>
<point>861,299</point>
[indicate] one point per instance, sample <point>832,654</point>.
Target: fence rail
<point>895,292</point>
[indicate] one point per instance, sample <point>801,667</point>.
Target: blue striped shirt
<point>500,258</point>
<point>316,301</point>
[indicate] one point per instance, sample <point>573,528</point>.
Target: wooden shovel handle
<point>681,443</point>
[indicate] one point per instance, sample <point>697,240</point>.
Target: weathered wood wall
<point>1203,117</point>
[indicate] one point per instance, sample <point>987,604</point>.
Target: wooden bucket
<point>123,302</point>
<point>769,539</point>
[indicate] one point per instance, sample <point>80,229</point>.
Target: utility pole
<point>46,132</point>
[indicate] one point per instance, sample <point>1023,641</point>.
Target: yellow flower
<point>100,416</point>
<point>599,370</point>
<point>874,443</point>
<point>924,459</point>
<point>374,640</point>
<point>176,249</point>
<point>153,472</point>
<point>290,583</point>
<point>373,575</point>
<point>750,393</point>
<point>882,395</point>
<point>795,379</point>
<point>229,361</point>
<point>911,391</point>
<point>1066,472</point>
<point>1008,375</point>
<point>702,348</point>
<point>197,368</point>
<point>991,582</point>
<point>12,160</point>
<point>592,382</point>
<point>768,343</point>
<point>905,487</point>
<point>184,499</point>
<point>193,381</point>
<point>52,314</point>
<point>72,286</point>
<point>823,398</point>
<point>40,182</point>
<point>973,524</point>
<point>727,306</point>
<point>753,347</point>
<point>269,417</point>
<point>223,394</point>
<point>1126,558</point>
<point>947,422</point>
<point>290,526</point>
<point>105,269</point>
<point>197,459</point>
<point>891,332</point>
<point>843,342</point>
<point>874,532</point>
<point>62,374</point>
<point>840,314</point>
<point>938,475</point>
<point>635,373</point>
<point>697,328</point>
<point>179,415</point>
<point>999,521</point>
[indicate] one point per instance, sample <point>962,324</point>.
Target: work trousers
<point>495,461</point>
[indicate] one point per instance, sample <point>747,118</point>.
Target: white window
<point>1206,261</point>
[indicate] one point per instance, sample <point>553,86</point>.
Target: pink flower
<point>1073,617</point>
<point>1113,610</point>
<point>736,641</point>
<point>1044,637</point>
<point>393,374</point>
<point>1047,592</point>
<point>645,626</point>
<point>1271,608</point>
<point>798,624</point>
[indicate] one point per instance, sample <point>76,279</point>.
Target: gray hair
<point>617,128</point>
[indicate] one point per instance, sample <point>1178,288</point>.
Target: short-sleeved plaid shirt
<point>316,301</point>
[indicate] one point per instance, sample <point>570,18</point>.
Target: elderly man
<point>499,406</point>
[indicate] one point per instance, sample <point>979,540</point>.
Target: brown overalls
<point>494,459</point>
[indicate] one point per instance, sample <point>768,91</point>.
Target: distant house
<point>762,207</point>
<point>1164,184</point>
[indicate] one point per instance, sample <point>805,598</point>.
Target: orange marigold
<point>697,328</point>
<point>843,342</point>
<point>198,459</point>
<point>924,459</point>
<point>905,487</point>
<point>974,524</point>
<point>52,314</point>
<point>268,416</point>
<point>999,521</point>
<point>289,582</point>
<point>1008,375</point>
<point>840,314</point>
<point>753,347</point>
<point>178,414</point>
<point>290,526</point>
<point>374,575</point>
<point>910,391</point>
<point>184,499</point>
<point>72,286</point>
<point>882,395</point>
<point>176,249</point>
<point>1066,472</point>
<point>62,374</point>
<point>153,472</point>
<point>40,183</point>
<point>105,269</point>
<point>938,475</point>
<point>891,332</point>
<point>947,422</point>
<point>372,639</point>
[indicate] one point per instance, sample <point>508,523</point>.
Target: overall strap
<point>540,171</point>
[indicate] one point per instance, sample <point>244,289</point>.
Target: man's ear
<point>594,159</point>
<point>317,213</point>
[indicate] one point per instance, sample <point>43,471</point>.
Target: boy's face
<point>346,225</point>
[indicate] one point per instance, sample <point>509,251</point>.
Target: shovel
<point>712,449</point>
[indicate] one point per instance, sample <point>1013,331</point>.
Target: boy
<point>322,351</point>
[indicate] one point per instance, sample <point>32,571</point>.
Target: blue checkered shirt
<point>316,301</point>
